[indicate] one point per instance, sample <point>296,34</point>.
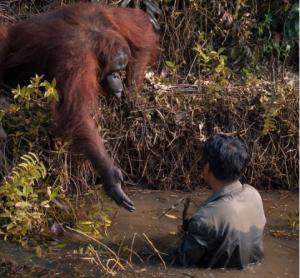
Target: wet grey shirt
<point>226,231</point>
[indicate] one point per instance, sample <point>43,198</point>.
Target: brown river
<point>153,227</point>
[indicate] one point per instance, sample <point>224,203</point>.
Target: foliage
<point>33,91</point>
<point>95,222</point>
<point>26,119</point>
<point>43,200</point>
<point>172,67</point>
<point>213,64</point>
<point>249,32</point>
<point>151,7</point>
<point>21,207</point>
<point>213,61</point>
<point>291,28</point>
<point>272,44</point>
<point>272,105</point>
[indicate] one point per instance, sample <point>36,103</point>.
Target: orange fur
<point>74,44</point>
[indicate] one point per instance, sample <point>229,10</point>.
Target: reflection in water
<point>281,255</point>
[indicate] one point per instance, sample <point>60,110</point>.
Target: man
<point>227,229</point>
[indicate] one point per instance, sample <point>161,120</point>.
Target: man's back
<point>226,231</point>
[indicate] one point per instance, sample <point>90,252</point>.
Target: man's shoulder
<point>228,206</point>
<point>248,186</point>
<point>248,189</point>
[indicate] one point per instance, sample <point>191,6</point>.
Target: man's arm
<point>194,244</point>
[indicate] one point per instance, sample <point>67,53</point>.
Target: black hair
<point>227,156</point>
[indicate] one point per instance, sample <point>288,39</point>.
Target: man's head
<point>226,158</point>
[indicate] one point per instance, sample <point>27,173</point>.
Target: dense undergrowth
<point>37,170</point>
<point>225,66</point>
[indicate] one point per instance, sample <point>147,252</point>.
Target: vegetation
<point>224,66</point>
<point>20,200</point>
<point>36,169</point>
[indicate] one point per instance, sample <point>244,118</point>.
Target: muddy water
<point>62,259</point>
<point>281,254</point>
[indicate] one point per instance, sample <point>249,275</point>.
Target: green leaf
<point>23,205</point>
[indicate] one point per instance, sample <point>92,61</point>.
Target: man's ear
<point>205,169</point>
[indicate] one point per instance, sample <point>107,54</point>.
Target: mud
<point>65,258</point>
